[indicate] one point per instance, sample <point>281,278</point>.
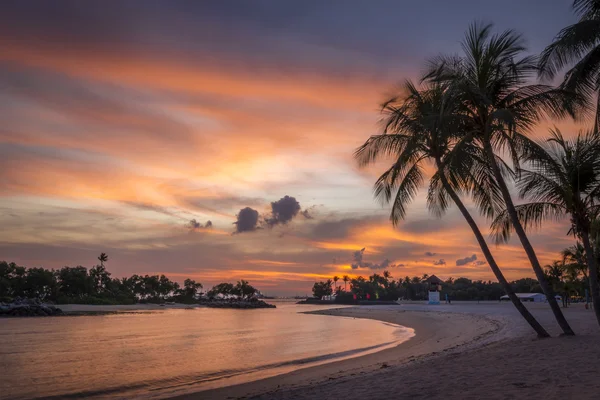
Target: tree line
<point>469,113</point>
<point>79,285</point>
<point>567,275</point>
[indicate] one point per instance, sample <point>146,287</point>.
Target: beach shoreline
<point>432,337</point>
<point>479,346</point>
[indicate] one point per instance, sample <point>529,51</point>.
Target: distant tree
<point>346,279</point>
<point>74,282</point>
<point>40,283</point>
<point>12,280</point>
<point>335,280</point>
<point>190,289</point>
<point>100,278</point>
<point>321,289</point>
<point>222,288</point>
<point>243,289</point>
<point>103,257</point>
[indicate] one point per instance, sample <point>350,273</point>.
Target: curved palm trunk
<point>539,329</point>
<point>535,264</point>
<point>593,272</point>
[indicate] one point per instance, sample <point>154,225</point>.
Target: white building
<point>534,297</point>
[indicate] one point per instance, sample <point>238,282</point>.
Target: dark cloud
<point>358,262</point>
<point>247,220</point>
<point>480,262</point>
<point>466,260</point>
<point>308,213</point>
<point>430,254</point>
<point>194,225</point>
<point>441,261</point>
<point>283,211</point>
<point>357,258</point>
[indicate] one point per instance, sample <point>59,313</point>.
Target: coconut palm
<point>490,78</point>
<point>103,257</point>
<point>564,179</point>
<point>573,258</point>
<point>578,47</point>
<point>555,272</point>
<point>345,278</point>
<point>335,280</point>
<point>419,127</point>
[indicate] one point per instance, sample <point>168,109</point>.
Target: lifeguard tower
<point>435,287</point>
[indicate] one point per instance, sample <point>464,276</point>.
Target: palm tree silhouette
<point>490,80</point>
<point>335,280</point>
<point>423,126</point>
<point>345,278</point>
<point>577,44</point>
<point>574,259</point>
<point>103,257</point>
<point>564,179</point>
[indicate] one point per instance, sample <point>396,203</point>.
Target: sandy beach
<point>460,351</point>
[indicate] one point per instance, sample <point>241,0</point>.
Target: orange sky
<point>120,126</point>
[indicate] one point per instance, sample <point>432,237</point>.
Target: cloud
<point>466,260</point>
<point>359,263</point>
<point>383,265</point>
<point>480,262</point>
<point>194,225</point>
<point>441,261</point>
<point>247,220</point>
<point>283,211</point>
<point>430,254</point>
<point>358,259</point>
<point>307,212</point>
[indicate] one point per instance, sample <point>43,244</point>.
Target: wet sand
<point>460,351</point>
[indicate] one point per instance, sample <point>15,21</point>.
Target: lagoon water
<point>157,354</point>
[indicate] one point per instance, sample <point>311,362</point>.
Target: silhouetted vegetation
<point>568,278</point>
<point>79,285</point>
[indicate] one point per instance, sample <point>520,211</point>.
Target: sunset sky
<point>127,126</point>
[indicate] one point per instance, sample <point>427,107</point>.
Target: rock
<point>237,304</point>
<point>28,308</point>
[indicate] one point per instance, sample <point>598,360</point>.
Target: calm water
<point>163,353</point>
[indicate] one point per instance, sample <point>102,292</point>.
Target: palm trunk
<point>593,272</point>
<point>539,329</point>
<point>535,264</point>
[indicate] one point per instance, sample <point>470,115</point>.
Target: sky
<point>214,139</point>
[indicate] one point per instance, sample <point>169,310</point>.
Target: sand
<point>460,351</point>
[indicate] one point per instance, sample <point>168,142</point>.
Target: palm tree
<point>491,81</point>
<point>103,257</point>
<point>335,280</point>
<point>573,258</point>
<point>555,273</point>
<point>345,278</point>
<point>577,44</point>
<point>420,127</point>
<point>564,179</point>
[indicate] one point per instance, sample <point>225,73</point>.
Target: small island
<point>36,292</point>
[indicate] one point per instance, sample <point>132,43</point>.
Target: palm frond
<point>407,190</point>
<point>530,215</point>
<point>570,44</point>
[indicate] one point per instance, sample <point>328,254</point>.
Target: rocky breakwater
<point>28,308</point>
<point>235,303</point>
